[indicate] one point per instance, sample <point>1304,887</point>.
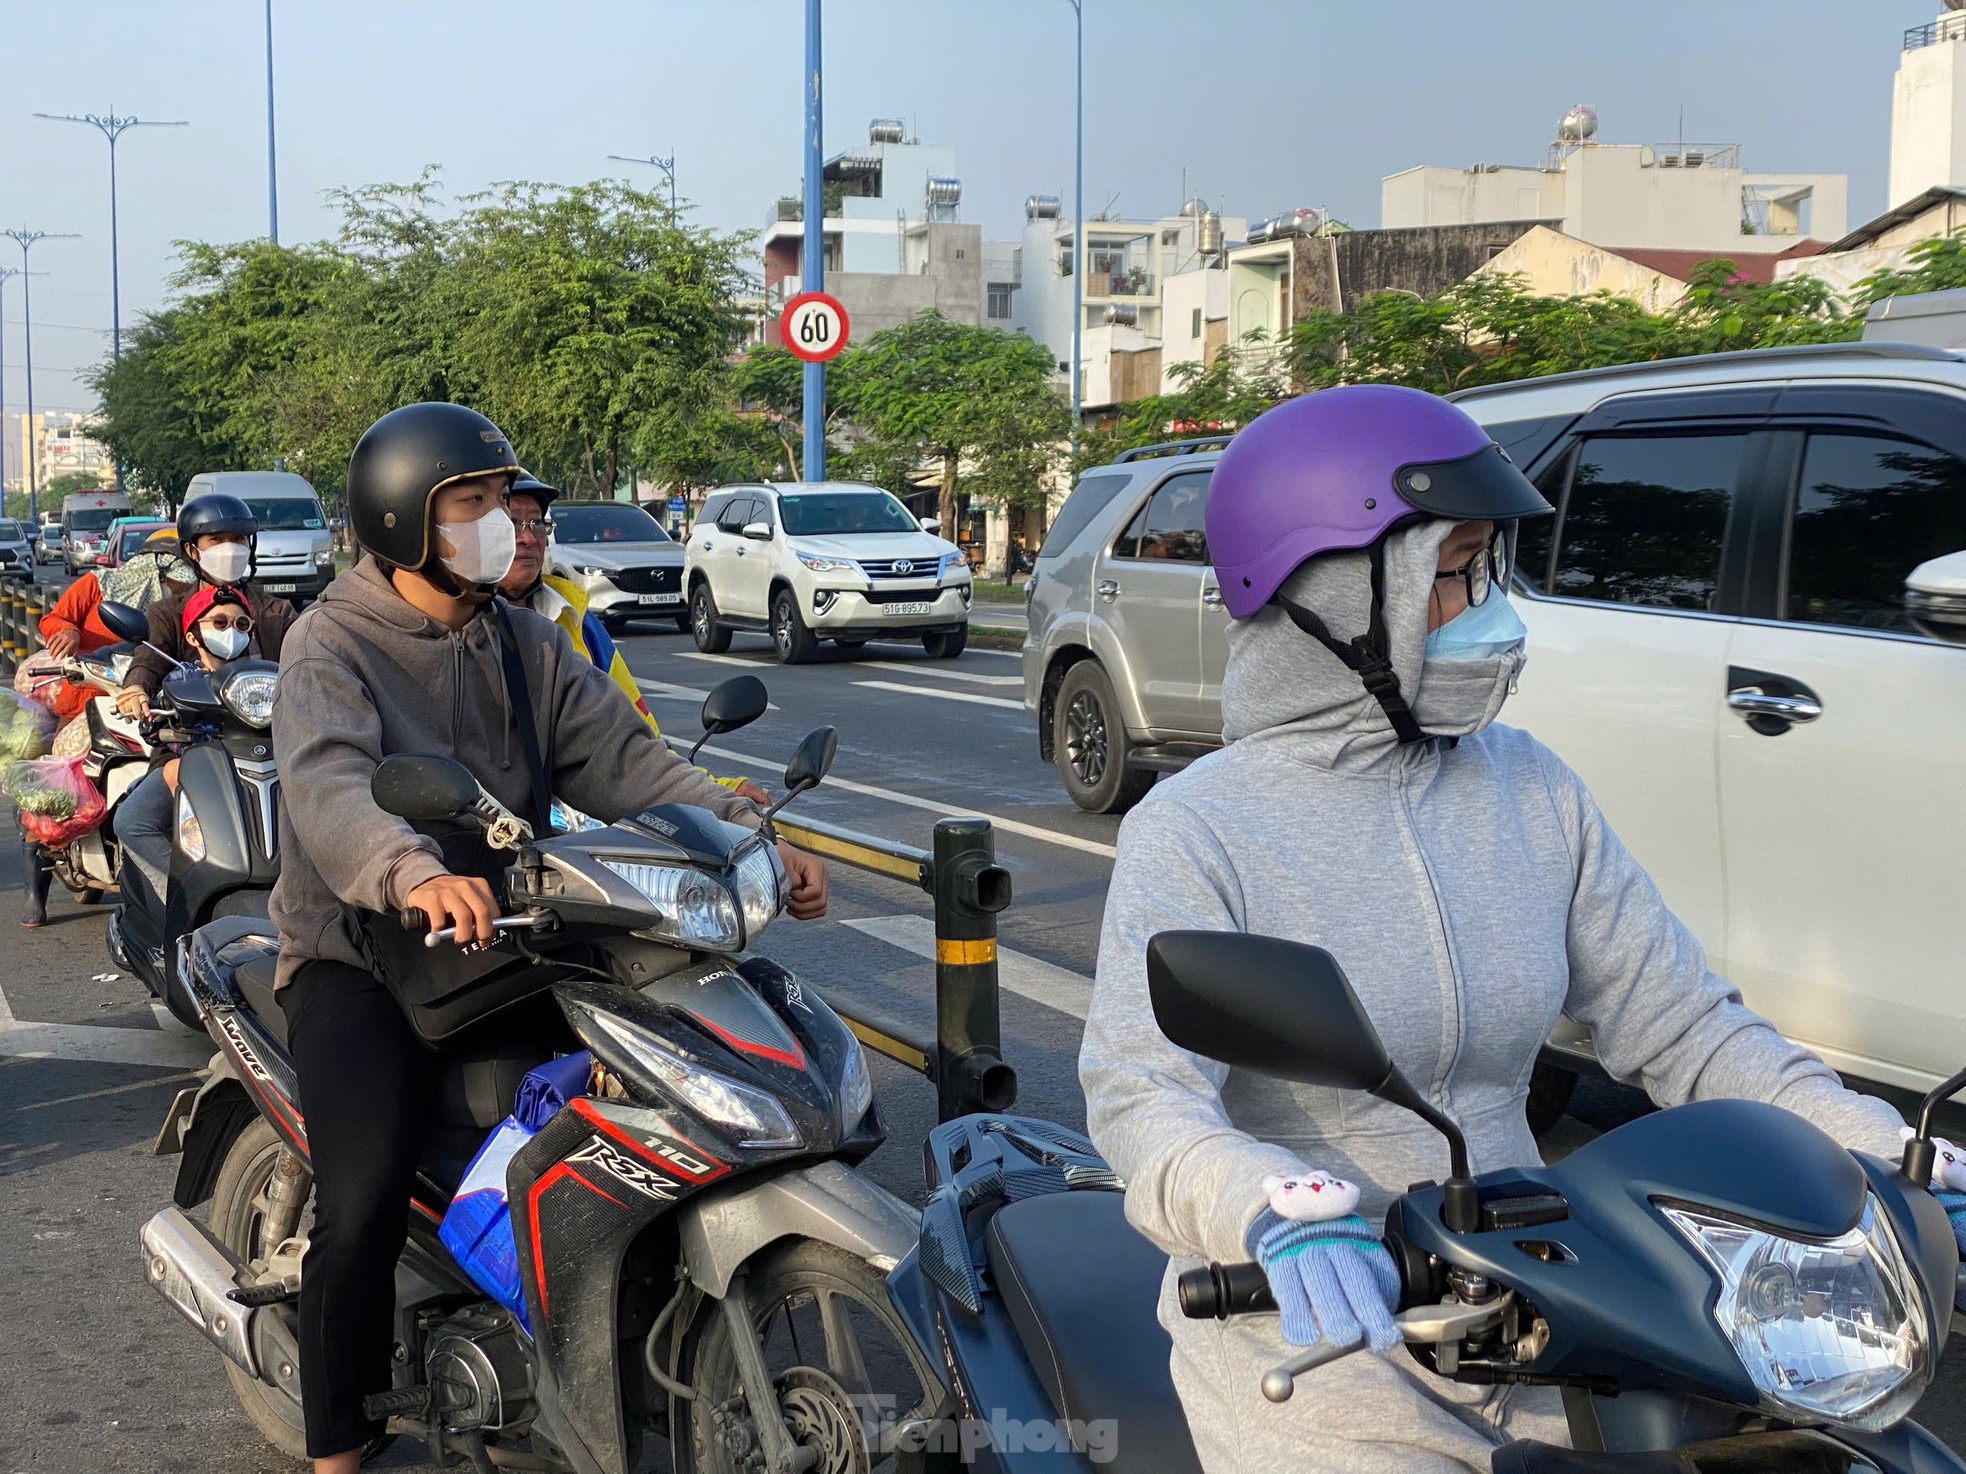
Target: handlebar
<point>1223,1290</point>
<point>415,918</point>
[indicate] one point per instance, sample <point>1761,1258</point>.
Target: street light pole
<point>813,277</point>
<point>25,238</point>
<point>667,166</point>
<point>5,273</point>
<point>272,171</point>
<point>1078,233</point>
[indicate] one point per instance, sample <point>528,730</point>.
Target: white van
<point>296,550</point>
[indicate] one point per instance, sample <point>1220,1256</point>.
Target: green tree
<point>1936,265</point>
<point>1243,381</point>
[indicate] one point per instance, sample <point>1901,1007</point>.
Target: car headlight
<point>696,909</point>
<point>856,1087</point>
<point>753,1117</point>
<point>249,697</point>
<point>819,563</point>
<point>949,561</point>
<point>1826,1328</point>
<point>588,572</point>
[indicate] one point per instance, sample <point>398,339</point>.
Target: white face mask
<point>484,548</point>
<point>225,644</point>
<point>227,562</point>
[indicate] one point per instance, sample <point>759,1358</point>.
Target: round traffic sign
<point>814,326</point>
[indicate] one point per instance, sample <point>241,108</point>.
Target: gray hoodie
<point>364,675</point>
<point>1473,892</point>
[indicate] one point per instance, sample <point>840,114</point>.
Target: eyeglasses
<point>538,526</point>
<point>243,623</point>
<point>1484,571</point>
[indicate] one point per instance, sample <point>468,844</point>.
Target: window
<point>286,513</point>
<point>737,515</point>
<point>1867,511</point>
<point>1088,499</point>
<point>1643,519</point>
<point>824,513</point>
<point>713,508</point>
<point>997,300</point>
<point>1194,324</point>
<point>1170,526</point>
<point>614,522</point>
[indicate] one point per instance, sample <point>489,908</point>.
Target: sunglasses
<point>243,623</point>
<point>539,526</point>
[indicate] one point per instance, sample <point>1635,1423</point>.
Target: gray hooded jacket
<point>1473,892</point>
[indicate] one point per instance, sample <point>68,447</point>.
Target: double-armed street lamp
<point>667,166</point>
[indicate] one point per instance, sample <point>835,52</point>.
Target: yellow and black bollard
<point>970,889</point>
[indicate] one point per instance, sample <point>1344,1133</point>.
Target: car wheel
<point>711,637</point>
<point>614,624</point>
<point>794,642</point>
<point>683,622</point>
<point>1089,744</point>
<point>946,647</point>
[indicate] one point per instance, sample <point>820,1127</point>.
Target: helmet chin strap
<point>1369,654</point>
<point>443,580</point>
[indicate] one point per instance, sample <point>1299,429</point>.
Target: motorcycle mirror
<point>812,759</point>
<point>123,622</point>
<point>735,703</point>
<point>1920,1155</point>
<point>1287,1010</point>
<point>414,786</point>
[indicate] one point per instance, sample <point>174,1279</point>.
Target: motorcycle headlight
<point>751,1116</point>
<point>249,697</point>
<point>696,909</point>
<point>762,888</point>
<point>190,833</point>
<point>1826,1328</point>
<point>856,1087</point>
<point>819,563</point>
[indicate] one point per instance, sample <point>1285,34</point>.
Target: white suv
<point>811,561</point>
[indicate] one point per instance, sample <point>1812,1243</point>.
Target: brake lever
<point>1451,1320</point>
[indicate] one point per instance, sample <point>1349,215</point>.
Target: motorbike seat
<point>1081,1287</point>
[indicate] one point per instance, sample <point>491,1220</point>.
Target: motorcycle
<point>118,757</point>
<point>225,851</point>
<point>1714,1287</point>
<point>699,1260</point>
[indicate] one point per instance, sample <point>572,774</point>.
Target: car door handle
<point>1770,703</point>
<point>1212,598</point>
<point>1783,708</point>
<point>1108,590</point>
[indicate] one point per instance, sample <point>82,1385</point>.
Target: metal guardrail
<point>1945,28</point>
<point>965,1057</point>
<point>20,623</point>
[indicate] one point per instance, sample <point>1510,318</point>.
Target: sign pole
<point>813,278</point>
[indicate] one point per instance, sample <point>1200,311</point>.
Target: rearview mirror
<point>414,786</point>
<point>123,622</point>
<point>758,532</point>
<point>1935,597</point>
<point>931,524</point>
<point>736,703</point>
<point>811,760</point>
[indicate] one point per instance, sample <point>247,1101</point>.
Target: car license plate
<point>279,588</point>
<point>659,598</point>
<point>908,608</point>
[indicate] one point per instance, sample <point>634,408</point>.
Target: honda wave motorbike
<point>1714,1287</point>
<point>698,1259</point>
<point>118,757</point>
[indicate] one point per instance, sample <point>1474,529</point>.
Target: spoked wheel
<point>242,1204</point>
<point>850,1384</point>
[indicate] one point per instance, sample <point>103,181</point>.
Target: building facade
<point>1928,109</point>
<point>62,447</point>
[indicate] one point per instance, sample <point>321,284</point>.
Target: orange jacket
<point>76,609</point>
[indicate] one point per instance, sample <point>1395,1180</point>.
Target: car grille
<point>647,580</point>
<point>892,567</point>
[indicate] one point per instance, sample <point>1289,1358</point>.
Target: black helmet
<point>530,485</point>
<point>400,463</point>
<point>216,511</point>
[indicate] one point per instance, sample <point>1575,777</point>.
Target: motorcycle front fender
<point>827,1201</point>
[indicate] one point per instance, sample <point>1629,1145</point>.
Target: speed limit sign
<point>814,326</point>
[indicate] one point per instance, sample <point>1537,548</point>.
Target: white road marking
<point>727,659</point>
<point>933,669</point>
<point>1009,826</point>
<point>100,1044</point>
<point>1027,976</point>
<point>665,691</point>
<point>943,695</point>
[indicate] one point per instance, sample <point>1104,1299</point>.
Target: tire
<point>614,624</point>
<point>1550,1088</point>
<point>237,1218</point>
<point>946,647</point>
<point>89,897</point>
<point>683,623</point>
<point>1089,746</point>
<point>791,1285</point>
<point>711,637</point>
<point>850,644</point>
<point>789,636</point>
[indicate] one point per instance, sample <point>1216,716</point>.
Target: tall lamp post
<point>5,273</point>
<point>813,275</point>
<point>667,166</point>
<point>25,238</point>
<point>1078,231</point>
<point>272,172</point>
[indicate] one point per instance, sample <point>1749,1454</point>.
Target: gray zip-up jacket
<point>365,675</point>
<point>1473,892</point>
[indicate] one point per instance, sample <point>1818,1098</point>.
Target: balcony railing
<point>1135,283</point>
<point>1945,28</point>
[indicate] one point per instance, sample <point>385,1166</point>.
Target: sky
<point>1265,105</point>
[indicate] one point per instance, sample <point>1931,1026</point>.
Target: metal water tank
<point>1579,125</point>
<point>1194,209</point>
<point>1041,207</point>
<point>1208,235</point>
<point>944,191</point>
<point>887,130</point>
<point>1122,314</point>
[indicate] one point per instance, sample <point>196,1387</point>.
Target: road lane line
<point>746,661</point>
<point>666,691</point>
<point>103,1045</point>
<point>940,669</point>
<point>941,695</point>
<point>949,811</point>
<point>1028,977</point>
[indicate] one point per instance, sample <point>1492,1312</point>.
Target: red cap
<point>200,604</point>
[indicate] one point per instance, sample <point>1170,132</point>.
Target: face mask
<point>1490,629</point>
<point>225,644</point>
<point>484,548</point>
<point>226,563</point>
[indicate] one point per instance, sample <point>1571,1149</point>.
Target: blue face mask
<point>1489,629</point>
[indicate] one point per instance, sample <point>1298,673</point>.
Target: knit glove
<point>1329,1273</point>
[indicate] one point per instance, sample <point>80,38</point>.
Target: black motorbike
<point>1717,1287</point>
<point>698,1258</point>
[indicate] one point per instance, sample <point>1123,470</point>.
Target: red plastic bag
<point>26,727</point>
<point>57,803</point>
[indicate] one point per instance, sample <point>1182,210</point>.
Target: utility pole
<point>272,169</point>
<point>667,166</point>
<point>25,238</point>
<point>5,273</point>
<point>814,274</point>
<point>1078,234</point>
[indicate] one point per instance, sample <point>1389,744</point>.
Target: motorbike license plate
<point>908,608</point>
<point>659,598</point>
<point>279,588</point>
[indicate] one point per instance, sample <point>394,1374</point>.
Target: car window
<point>1868,510</point>
<point>1169,527</point>
<point>712,508</point>
<point>1089,498</point>
<point>737,515</point>
<point>1642,519</point>
<point>286,513</point>
<point>10,532</point>
<point>607,523</point>
<point>818,513</point>
<point>1536,536</point>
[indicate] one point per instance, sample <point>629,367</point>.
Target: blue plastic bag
<point>477,1227</point>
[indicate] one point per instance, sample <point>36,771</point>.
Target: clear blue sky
<point>1267,104</point>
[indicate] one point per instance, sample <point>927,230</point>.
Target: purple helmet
<point>1336,469</point>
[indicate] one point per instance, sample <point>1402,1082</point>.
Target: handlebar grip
<point>413,918</point>
<point>1223,1290</point>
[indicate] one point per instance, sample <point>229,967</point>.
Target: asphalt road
<point>98,1374</point>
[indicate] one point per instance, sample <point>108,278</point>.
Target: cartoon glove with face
<point>1329,1273</point>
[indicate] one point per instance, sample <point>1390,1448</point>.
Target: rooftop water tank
<point>1041,207</point>
<point>887,130</point>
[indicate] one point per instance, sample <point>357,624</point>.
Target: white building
<point>62,447</point>
<point>1676,196</point>
<point>1928,109</point>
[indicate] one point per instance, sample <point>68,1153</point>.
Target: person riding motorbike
<point>1367,802</point>
<point>412,652</point>
<point>565,603</point>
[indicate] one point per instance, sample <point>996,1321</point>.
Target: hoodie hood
<point>1281,685</point>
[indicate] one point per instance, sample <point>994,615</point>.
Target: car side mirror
<point>1935,597</point>
<point>811,760</point>
<point>736,703</point>
<point>758,532</point>
<point>931,524</point>
<point>420,786</point>
<point>123,622</point>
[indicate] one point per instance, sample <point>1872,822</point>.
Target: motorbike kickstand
<point>782,1455</point>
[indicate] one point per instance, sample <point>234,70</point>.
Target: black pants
<point>366,1090</point>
